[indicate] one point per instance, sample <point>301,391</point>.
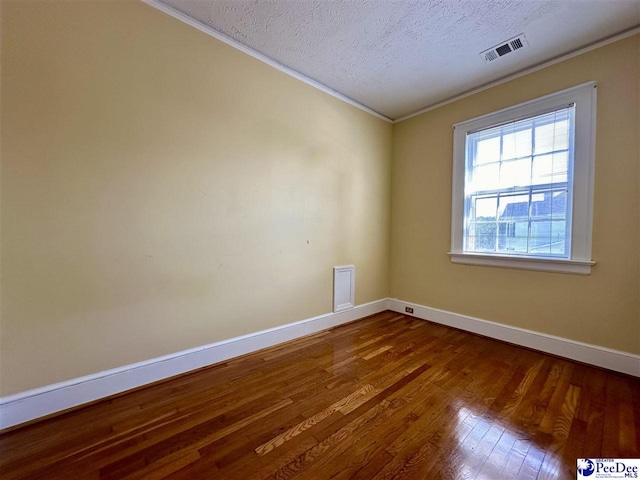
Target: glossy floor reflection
<point>387,397</point>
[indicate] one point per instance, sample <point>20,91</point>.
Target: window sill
<point>556,265</point>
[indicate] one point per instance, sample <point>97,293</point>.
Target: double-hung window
<point>523,185</point>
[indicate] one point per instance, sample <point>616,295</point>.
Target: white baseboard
<point>30,405</point>
<point>616,360</point>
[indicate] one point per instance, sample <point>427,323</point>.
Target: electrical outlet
<point>408,310</point>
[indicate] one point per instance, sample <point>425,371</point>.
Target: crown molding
<point>259,56</point>
<point>521,73</point>
<point>324,88</point>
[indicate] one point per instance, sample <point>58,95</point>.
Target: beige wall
<point>601,309</point>
<point>161,191</point>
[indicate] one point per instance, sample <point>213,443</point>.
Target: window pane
<point>484,238</point>
<point>552,168</point>
<point>486,177</point>
<point>487,150</point>
<point>548,237</point>
<point>541,205</point>
<point>516,143</point>
<point>513,207</point>
<point>559,205</point>
<point>552,136</point>
<point>485,208</point>
<point>548,204</point>
<point>540,239</point>
<point>558,237</point>
<point>512,237</point>
<point>515,173</point>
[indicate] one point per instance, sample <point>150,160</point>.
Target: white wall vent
<point>500,50</point>
<point>344,287</point>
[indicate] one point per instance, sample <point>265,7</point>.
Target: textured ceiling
<point>399,56</point>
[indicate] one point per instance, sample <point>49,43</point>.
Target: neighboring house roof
<point>550,206</point>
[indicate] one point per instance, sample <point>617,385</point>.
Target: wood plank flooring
<point>386,397</point>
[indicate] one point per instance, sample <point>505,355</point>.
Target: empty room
<point>350,239</point>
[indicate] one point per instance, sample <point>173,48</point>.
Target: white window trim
<point>584,97</point>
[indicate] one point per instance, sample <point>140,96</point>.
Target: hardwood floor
<point>386,397</point>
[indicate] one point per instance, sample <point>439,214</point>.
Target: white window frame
<point>579,261</point>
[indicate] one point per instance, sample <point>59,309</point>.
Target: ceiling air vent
<point>503,48</point>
